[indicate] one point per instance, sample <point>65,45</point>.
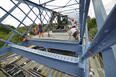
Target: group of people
<point>72,31</point>
<point>39,30</point>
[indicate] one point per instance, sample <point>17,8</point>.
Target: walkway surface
<point>56,36</point>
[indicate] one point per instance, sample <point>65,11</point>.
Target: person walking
<point>40,33</point>
<point>73,31</point>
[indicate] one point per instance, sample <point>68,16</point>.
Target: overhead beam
<point>47,2</point>
<point>35,5</point>
<point>63,66</point>
<point>64,6</point>
<point>69,9</point>
<point>61,45</point>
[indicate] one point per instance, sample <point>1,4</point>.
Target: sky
<point>108,4</point>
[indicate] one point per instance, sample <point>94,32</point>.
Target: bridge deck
<point>56,36</point>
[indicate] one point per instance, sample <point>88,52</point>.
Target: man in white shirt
<point>73,31</point>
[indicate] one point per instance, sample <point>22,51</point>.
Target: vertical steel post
<point>108,56</point>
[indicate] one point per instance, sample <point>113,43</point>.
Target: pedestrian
<point>40,33</point>
<point>73,31</point>
<point>36,31</point>
<point>24,37</point>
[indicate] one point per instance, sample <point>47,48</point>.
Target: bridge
<point>76,64</point>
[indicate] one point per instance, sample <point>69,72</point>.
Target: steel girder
<point>35,5</point>
<point>66,67</point>
<point>61,45</point>
<point>83,9</point>
<point>3,51</point>
<point>105,37</point>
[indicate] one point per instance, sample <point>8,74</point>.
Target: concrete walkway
<point>56,36</point>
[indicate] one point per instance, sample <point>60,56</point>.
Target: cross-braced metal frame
<point>103,42</point>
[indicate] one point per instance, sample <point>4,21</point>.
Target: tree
<point>92,27</point>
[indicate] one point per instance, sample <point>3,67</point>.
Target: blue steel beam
<point>69,9</point>
<point>32,9</point>
<point>61,45</point>
<point>47,2</point>
<point>10,11</point>
<point>3,51</point>
<point>69,59</point>
<point>13,17</point>
<point>64,6</point>
<point>31,25</point>
<point>41,14</point>
<point>105,37</point>
<point>66,67</point>
<point>22,11</point>
<point>10,29</point>
<point>107,54</point>
<point>44,18</point>
<point>84,17</point>
<point>100,13</point>
<point>35,5</point>
<point>18,27</point>
<point>109,62</point>
<point>47,14</point>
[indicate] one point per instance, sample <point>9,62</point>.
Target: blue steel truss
<point>103,42</point>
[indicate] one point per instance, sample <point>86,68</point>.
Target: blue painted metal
<point>47,14</point>
<point>10,11</point>
<point>35,5</point>
<point>69,59</point>
<point>10,29</point>
<point>69,10</point>
<point>64,6</point>
<point>32,9</point>
<point>105,37</point>
<point>6,41</point>
<point>66,67</point>
<point>31,25</point>
<point>100,13</point>
<point>103,41</point>
<point>13,17</point>
<point>3,51</point>
<point>47,2</point>
<point>109,62</point>
<point>83,14</point>
<point>41,14</point>
<point>61,45</point>
<point>18,27</point>
<point>22,11</point>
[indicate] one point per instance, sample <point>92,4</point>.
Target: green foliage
<point>92,27</point>
<point>5,33</point>
<point>2,29</point>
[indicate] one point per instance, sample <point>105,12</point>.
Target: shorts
<point>75,34</point>
<point>40,30</point>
